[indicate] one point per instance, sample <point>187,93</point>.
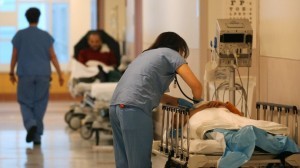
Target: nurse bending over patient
<point>141,89</point>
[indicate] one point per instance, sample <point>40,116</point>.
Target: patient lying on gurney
<point>215,114</point>
<point>237,136</point>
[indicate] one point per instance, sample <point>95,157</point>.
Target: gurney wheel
<point>86,131</point>
<point>171,164</point>
<point>68,115</point>
<point>75,122</point>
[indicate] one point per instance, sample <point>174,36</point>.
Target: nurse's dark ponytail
<point>171,40</point>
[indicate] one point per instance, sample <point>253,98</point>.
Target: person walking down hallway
<point>33,53</point>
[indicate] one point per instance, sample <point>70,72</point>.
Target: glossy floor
<point>61,147</point>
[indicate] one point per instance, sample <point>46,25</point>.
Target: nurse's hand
<point>184,103</point>
<point>12,78</point>
<point>61,80</point>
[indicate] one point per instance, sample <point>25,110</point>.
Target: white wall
<point>179,16</point>
<point>80,21</point>
<point>129,31</point>
<point>280,28</point>
<point>279,58</point>
<point>114,21</point>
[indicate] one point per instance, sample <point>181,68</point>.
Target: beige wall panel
<point>282,80</point>
<point>263,79</point>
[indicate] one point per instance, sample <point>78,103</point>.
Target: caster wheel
<point>68,115</point>
<point>172,164</point>
<point>86,131</point>
<point>75,122</point>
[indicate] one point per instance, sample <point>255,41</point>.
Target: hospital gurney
<point>85,78</point>
<point>98,121</point>
<point>83,81</point>
<point>82,88</point>
<point>178,150</point>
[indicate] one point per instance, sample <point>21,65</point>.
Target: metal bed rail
<point>280,113</point>
<point>172,127</point>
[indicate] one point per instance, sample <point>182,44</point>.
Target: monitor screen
<point>232,38</point>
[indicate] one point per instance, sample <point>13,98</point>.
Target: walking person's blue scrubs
<point>139,91</point>
<point>34,78</point>
<point>33,52</point>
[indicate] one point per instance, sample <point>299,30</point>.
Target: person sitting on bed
<point>106,60</point>
<point>94,51</point>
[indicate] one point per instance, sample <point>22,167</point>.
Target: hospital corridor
<point>61,147</point>
<point>149,84</point>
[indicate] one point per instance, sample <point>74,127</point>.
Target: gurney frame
<point>171,148</point>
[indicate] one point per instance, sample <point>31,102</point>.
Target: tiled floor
<point>61,147</point>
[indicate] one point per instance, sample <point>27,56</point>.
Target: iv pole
<point>232,85</point>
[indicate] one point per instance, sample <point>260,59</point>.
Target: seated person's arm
<point>81,58</point>
<point>112,59</point>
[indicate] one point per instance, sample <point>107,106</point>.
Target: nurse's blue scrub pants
<point>33,95</point>
<point>132,135</point>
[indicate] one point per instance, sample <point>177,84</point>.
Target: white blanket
<point>212,118</point>
<point>78,70</point>
<point>103,91</point>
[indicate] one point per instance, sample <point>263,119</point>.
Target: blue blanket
<point>240,145</point>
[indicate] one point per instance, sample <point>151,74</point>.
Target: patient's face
<point>94,42</point>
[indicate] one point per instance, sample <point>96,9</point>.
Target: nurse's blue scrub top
<point>33,46</point>
<point>147,78</point>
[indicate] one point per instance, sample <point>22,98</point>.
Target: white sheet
<point>212,118</point>
<point>103,91</point>
<point>209,146</point>
<point>96,88</point>
<point>78,70</point>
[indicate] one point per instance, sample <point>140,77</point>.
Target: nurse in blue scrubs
<point>141,89</point>
<point>32,52</point>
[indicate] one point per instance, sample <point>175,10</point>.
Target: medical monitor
<point>234,42</point>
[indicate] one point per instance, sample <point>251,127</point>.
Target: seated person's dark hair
<point>32,15</point>
<point>94,32</point>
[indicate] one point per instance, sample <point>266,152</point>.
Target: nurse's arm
<point>170,100</point>
<point>54,61</point>
<point>13,63</point>
<point>189,77</point>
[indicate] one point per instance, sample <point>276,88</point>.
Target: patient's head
<point>94,40</point>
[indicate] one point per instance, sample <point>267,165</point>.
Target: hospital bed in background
<point>183,151</point>
<point>94,83</point>
<point>91,116</point>
<point>98,120</point>
<point>82,83</point>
